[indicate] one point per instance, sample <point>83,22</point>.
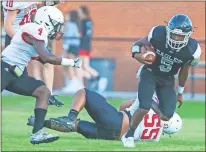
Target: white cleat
<point>42,137</point>
<point>128,142</point>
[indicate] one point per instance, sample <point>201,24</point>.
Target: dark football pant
<point>24,85</point>
<point>108,121</point>
<point>7,40</point>
<point>165,92</point>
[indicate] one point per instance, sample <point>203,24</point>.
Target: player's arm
<point>10,18</point>
<point>183,75</point>
<point>125,105</point>
<point>136,48</point>
<point>184,71</point>
<point>47,57</point>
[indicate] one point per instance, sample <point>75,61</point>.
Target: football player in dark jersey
<point>175,52</point>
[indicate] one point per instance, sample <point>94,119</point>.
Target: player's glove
<point>77,63</point>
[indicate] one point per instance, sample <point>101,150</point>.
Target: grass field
<point>15,132</point>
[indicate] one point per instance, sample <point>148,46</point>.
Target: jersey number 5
<point>152,127</point>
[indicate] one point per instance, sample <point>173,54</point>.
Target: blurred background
<point>112,28</point>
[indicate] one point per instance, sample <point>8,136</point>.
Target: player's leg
<point>6,76</point>
<point>146,90</point>
<point>48,76</point>
<point>37,89</point>
<point>36,72</point>
<point>167,100</point>
<point>85,128</point>
<point>69,121</point>
<point>7,40</point>
<point>106,116</point>
<point>94,75</point>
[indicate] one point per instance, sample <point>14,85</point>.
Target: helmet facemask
<point>177,39</point>
<point>57,31</point>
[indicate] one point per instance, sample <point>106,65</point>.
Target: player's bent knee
<point>42,92</point>
<point>81,92</point>
<point>145,106</point>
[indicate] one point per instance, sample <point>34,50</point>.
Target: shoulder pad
<point>36,31</point>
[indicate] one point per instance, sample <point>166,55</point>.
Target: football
<point>149,52</point>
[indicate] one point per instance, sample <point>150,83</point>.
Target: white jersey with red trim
<point>150,128</point>
<point>26,10</point>
<point>20,52</point>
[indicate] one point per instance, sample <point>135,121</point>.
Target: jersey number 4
<point>27,17</point>
<point>152,127</point>
<point>40,31</point>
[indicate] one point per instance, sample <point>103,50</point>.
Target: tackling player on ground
<point>111,124</point>
<point>175,51</point>
<point>29,42</point>
<point>17,14</point>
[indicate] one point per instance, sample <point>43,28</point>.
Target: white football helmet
<point>173,125</point>
<point>52,19</point>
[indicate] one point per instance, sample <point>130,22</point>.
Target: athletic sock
<point>39,119</point>
<point>73,114</point>
<point>130,132</point>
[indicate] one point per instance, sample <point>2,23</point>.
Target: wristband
<point>67,62</point>
<point>135,49</point>
<point>180,89</point>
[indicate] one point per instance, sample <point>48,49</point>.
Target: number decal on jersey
<point>152,126</point>
<point>27,18</point>
<point>166,65</point>
<point>9,3</point>
<point>40,31</point>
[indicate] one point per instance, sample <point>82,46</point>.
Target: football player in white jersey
<point>110,124</point>
<point>17,14</point>
<point>29,42</point>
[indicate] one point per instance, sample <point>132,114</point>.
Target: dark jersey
<point>86,31</point>
<point>168,62</point>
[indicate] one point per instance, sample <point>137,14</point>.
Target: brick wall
<point>132,19</point>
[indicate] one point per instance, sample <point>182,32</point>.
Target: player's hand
<point>180,100</point>
<point>142,59</point>
<point>77,63</point>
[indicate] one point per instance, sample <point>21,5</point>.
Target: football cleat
<point>54,101</point>
<point>63,124</point>
<point>128,142</point>
<point>42,137</point>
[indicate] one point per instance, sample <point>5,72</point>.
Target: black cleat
<point>63,124</point>
<point>54,101</point>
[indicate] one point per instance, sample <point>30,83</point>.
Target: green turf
<point>15,132</point>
